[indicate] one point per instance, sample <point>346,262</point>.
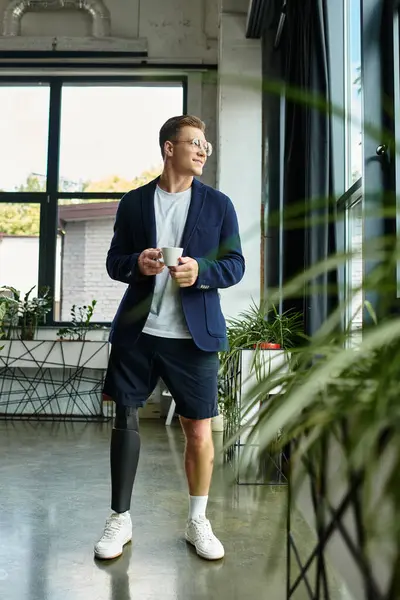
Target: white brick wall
<point>84,269</point>
<point>72,269</point>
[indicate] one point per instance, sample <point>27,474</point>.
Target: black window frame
<point>48,199</point>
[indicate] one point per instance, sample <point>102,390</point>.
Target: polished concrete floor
<point>54,497</point>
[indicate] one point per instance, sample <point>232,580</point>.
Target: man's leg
<point>199,455</point>
<point>199,462</point>
<point>129,380</point>
<point>191,376</point>
<point>124,458</point>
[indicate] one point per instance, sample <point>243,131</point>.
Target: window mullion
<point>48,221</point>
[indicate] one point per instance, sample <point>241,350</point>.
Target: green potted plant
<point>6,302</point>
<point>73,364</point>
<point>9,299</point>
<point>32,312</point>
<point>23,316</point>
<point>260,342</point>
<point>81,317</point>
<point>263,327</point>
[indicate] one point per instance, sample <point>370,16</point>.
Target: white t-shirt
<point>166,318</point>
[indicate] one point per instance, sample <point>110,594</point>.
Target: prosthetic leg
<point>124,457</point>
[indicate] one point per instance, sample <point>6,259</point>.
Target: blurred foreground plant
<point>339,411</point>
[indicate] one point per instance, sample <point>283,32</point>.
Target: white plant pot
<point>217,423</point>
<point>269,361</point>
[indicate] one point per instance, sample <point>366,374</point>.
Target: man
<point>169,323</point>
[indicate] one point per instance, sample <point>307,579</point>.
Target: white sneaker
<point>200,535</point>
<point>117,533</point>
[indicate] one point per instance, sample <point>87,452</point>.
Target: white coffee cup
<point>171,256</point>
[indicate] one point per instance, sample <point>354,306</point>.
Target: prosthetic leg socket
<point>124,457</point>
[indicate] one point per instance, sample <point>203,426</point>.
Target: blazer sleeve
<point>122,261</point>
<point>226,266</point>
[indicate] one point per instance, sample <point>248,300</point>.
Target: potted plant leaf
<point>7,305</point>
<point>33,312</point>
<point>261,340</point>
<point>81,317</point>
<point>23,316</point>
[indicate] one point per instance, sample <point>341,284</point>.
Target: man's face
<point>187,157</point>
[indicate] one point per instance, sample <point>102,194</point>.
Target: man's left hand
<point>186,273</point>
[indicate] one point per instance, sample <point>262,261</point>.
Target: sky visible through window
<point>354,74</point>
<point>105,131</point>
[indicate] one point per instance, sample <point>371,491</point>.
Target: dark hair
<point>171,128</point>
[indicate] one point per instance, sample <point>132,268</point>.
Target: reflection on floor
<point>54,499</point>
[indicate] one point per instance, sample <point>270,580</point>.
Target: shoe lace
<point>113,526</point>
<point>203,530</point>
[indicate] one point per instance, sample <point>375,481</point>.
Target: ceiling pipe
<point>16,9</point>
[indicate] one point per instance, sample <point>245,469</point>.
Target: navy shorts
<point>190,374</point>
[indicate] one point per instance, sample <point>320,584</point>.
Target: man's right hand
<point>148,262</point>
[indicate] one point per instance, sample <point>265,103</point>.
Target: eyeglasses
<point>198,143</point>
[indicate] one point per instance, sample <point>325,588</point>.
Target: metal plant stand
<point>53,380</point>
<point>268,469</point>
<point>333,520</point>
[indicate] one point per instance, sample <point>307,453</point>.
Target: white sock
<point>197,506</point>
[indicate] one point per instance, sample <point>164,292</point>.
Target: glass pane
<point>24,126</point>
<point>355,268</point>
<point>19,245</point>
<point>396,72</point>
<point>109,135</point>
<point>354,92</point>
<point>85,232</point>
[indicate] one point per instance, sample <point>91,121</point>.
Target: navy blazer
<point>211,236</point>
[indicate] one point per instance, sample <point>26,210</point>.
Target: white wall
<point>240,147</point>
<point>19,263</point>
<point>72,266</point>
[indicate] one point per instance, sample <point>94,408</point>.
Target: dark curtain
<point>273,123</point>
<point>308,212</point>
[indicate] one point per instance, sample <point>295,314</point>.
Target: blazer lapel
<point>149,217</point>
<point>148,214</point>
<point>196,205</point>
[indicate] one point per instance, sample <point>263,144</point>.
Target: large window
<point>353,87</point>
<point>355,267</point>
<point>70,151</point>
<point>396,103</point>
<point>354,166</point>
<point>23,154</point>
<point>19,245</point>
<point>24,128</point>
<point>109,134</point>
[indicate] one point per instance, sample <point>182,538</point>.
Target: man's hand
<point>186,273</point>
<point>148,262</point>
